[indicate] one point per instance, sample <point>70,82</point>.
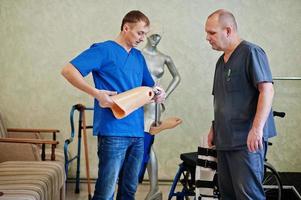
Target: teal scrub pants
<point>240,174</point>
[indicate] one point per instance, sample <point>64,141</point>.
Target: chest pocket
<point>233,81</point>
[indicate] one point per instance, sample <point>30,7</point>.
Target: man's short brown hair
<point>134,16</point>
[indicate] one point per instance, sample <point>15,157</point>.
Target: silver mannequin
<point>156,61</point>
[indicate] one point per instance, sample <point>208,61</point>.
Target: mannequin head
<point>154,39</point>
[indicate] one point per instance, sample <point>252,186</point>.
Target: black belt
<point>206,152</point>
<point>204,184</point>
<point>207,164</point>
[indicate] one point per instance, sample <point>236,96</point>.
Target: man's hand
<point>159,94</point>
<point>104,98</point>
<point>254,140</point>
<point>210,138</point>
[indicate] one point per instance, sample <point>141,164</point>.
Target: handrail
<point>292,78</point>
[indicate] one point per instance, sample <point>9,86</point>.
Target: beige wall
<point>38,37</point>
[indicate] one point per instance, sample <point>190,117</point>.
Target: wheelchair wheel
<point>188,184</point>
<point>271,182</point>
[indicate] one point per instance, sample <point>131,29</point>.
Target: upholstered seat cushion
<point>19,195</point>
<point>47,178</point>
<point>26,186</point>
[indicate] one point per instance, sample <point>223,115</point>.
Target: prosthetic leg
<point>152,168</point>
<point>152,164</point>
<point>205,173</point>
<point>128,101</point>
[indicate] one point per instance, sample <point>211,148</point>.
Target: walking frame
<point>82,129</point>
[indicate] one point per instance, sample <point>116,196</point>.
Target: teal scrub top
<point>236,95</point>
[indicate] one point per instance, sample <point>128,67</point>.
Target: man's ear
<point>126,27</point>
<point>228,31</point>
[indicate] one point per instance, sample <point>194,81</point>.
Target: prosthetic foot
<point>165,124</point>
<point>154,195</point>
<point>205,173</point>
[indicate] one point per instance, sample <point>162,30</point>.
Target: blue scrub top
<point>236,96</point>
<point>115,69</point>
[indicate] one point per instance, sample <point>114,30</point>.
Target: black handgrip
<point>278,114</point>
<point>68,141</point>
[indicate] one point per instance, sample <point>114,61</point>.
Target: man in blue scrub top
<point>243,121</point>
<point>116,67</point>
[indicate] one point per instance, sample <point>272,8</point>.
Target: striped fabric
<point>45,178</point>
<point>27,187</point>
<point>29,178</point>
<point>10,194</point>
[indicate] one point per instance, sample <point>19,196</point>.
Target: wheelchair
<point>184,184</point>
<point>186,176</point>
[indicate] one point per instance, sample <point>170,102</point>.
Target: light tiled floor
<point>142,191</point>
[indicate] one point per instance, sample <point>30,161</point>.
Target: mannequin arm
<point>175,76</point>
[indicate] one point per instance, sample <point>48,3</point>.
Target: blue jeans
<point>119,158</point>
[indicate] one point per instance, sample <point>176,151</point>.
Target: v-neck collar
<point>234,52</point>
<point>117,44</point>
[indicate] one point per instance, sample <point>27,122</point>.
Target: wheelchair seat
<point>189,159</point>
